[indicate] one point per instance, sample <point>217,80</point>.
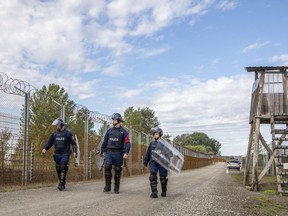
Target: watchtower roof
<point>267,69</point>
<point>269,93</point>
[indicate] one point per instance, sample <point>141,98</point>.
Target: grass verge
<point>266,201</point>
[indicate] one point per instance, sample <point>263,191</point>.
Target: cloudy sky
<point>185,59</point>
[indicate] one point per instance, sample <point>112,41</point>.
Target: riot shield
<point>77,160</point>
<point>168,156</point>
<point>99,158</point>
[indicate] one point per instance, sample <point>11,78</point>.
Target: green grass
<point>270,192</point>
<point>267,184</point>
<point>266,201</point>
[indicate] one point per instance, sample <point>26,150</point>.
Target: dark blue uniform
<point>61,141</point>
<point>116,142</point>
<point>154,168</point>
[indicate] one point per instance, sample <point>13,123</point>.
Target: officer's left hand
<point>75,155</point>
<point>125,156</point>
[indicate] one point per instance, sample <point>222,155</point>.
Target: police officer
<point>155,167</point>
<point>61,139</point>
<point>115,147</point>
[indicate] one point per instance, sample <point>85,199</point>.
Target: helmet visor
<point>56,122</point>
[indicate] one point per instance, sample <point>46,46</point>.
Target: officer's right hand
<point>43,151</point>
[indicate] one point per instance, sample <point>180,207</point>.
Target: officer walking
<point>61,139</point>
<point>155,167</point>
<point>115,147</point>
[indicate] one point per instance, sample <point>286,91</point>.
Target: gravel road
<point>205,191</point>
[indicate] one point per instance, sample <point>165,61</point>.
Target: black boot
<point>163,181</point>
<point>108,177</point>
<point>107,187</point>
<point>58,170</point>
<point>153,184</point>
<point>117,179</point>
<point>63,172</point>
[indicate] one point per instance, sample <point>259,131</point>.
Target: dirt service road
<point>205,191</point>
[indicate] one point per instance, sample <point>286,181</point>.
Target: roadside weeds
<point>266,201</point>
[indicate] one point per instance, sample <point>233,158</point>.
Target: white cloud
<point>125,93</point>
<point>147,17</point>
<point>152,52</point>
<point>282,59</point>
<point>113,69</point>
<point>219,108</point>
<point>191,102</point>
<point>227,4</point>
<point>46,42</point>
<point>254,46</point>
<point>214,99</point>
<point>74,37</point>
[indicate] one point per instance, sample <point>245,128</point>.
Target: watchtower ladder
<point>280,153</point>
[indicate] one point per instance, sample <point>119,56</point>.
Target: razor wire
<point>93,115</point>
<point>101,118</point>
<point>14,86</point>
<point>20,87</point>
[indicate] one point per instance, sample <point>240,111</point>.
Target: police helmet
<point>157,130</point>
<point>117,116</point>
<point>58,123</point>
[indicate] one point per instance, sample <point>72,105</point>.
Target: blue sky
<point>184,59</point>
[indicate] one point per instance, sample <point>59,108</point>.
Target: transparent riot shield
<point>168,156</point>
<point>98,157</point>
<point>77,160</point>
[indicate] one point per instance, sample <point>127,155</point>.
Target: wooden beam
<point>255,156</point>
<point>267,167</point>
<point>248,156</point>
<point>265,144</point>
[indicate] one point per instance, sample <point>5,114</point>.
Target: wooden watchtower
<point>269,105</point>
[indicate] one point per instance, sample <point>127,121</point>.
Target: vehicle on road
<point>234,164</point>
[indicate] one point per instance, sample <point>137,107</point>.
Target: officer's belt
<point>61,151</point>
<point>115,150</point>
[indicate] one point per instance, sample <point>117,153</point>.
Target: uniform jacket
<point>116,139</point>
<point>61,141</point>
<point>148,156</point>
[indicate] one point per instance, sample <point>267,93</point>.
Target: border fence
<point>20,153</point>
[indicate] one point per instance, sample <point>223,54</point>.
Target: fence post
<point>139,152</point>
<point>25,141</point>
<point>86,147</point>
<point>131,150</point>
<point>31,161</point>
<point>90,164</point>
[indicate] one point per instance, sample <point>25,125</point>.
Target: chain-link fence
<point>20,152</point>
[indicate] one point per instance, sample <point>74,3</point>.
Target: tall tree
<point>133,119</point>
<point>149,120</point>
<point>141,120</point>
<point>211,145</point>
